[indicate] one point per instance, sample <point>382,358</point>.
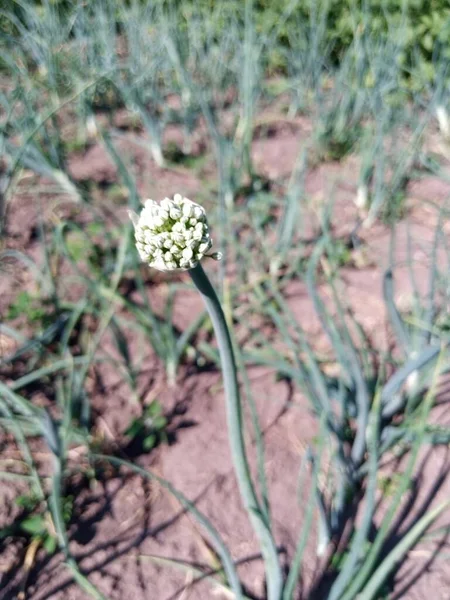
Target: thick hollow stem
<point>236,435</point>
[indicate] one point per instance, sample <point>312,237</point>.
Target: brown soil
<point>121,521</point>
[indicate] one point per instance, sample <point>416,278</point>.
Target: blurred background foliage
<point>421,28</point>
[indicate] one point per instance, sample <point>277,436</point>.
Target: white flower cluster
<point>173,235</point>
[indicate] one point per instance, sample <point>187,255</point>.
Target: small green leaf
<point>67,508</point>
<point>34,524</point>
<point>154,409</point>
<point>27,501</point>
<point>25,304</point>
<point>149,442</point>
<point>134,429</point>
<point>50,543</point>
<point>77,245</point>
<point>159,422</point>
<point>20,305</point>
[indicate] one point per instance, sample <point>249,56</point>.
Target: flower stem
<point>236,435</point>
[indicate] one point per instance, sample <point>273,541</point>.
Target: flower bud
<point>173,235</point>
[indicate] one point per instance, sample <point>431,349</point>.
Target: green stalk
<point>236,435</point>
<point>57,440</point>
<point>398,553</point>
<point>369,567</point>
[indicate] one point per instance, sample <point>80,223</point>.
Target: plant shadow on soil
<point>417,505</point>
<point>90,509</point>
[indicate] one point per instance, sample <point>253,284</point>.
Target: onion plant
<point>175,236</point>
<point>39,64</point>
